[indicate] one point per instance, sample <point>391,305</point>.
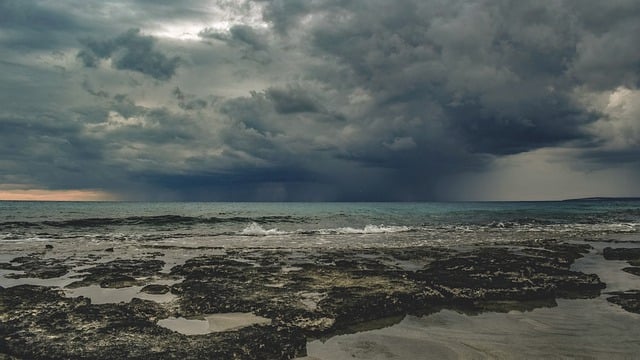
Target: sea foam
<point>254,229</point>
<point>368,229</point>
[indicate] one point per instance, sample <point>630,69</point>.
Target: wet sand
<point>574,329</point>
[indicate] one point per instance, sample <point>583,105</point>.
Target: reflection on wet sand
<point>584,328</point>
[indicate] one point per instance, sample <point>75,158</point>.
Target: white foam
<point>368,229</point>
<point>254,229</point>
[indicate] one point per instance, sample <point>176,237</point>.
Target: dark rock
<point>498,274</point>
<point>621,253</point>
<point>350,288</point>
<point>109,249</point>
<point>304,292</point>
<point>117,281</point>
<point>42,324</point>
<point>635,270</point>
<point>119,273</point>
<point>48,246</point>
<point>614,241</point>
<point>35,267</point>
<point>155,289</point>
<point>629,300</point>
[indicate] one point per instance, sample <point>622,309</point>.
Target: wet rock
<point>628,300</point>
<point>634,270</point>
<point>621,253</point>
<point>312,292</point>
<point>35,267</point>
<point>42,324</point>
<point>352,287</point>
<point>155,289</point>
<point>500,274</point>
<point>116,281</point>
<point>119,273</point>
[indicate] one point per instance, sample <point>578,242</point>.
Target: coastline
<point>591,328</point>
<point>305,294</point>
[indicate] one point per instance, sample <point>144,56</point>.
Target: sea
<point>315,224</point>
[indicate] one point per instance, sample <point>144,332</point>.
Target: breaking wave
<point>369,229</point>
<point>255,229</point>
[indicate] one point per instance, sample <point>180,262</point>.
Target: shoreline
<point>571,328</point>
<point>304,293</point>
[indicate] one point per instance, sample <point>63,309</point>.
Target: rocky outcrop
<point>621,253</point>
<point>628,300</point>
<point>34,266</point>
<point>119,273</point>
<point>43,324</point>
<point>303,292</point>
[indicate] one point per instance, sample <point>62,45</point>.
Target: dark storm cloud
<point>545,123</point>
<point>188,102</point>
<point>470,60</point>
<point>20,14</point>
<point>282,14</point>
<point>487,78</point>
<point>247,35</point>
<point>26,24</point>
<point>292,100</point>
<point>253,44</point>
<point>237,35</point>
<point>48,150</point>
<point>131,51</point>
<point>345,100</point>
<point>500,71</point>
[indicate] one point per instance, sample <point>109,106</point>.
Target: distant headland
<point>604,198</point>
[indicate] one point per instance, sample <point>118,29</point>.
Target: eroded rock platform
<point>304,292</point>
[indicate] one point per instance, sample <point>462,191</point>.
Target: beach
<point>485,290</point>
<point>591,328</point>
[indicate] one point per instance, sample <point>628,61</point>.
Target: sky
<point>319,100</point>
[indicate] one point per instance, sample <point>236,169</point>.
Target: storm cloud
<point>323,100</point>
<point>130,51</point>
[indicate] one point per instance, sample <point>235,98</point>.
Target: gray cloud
<point>321,100</point>
<point>253,44</point>
<point>26,25</point>
<point>292,100</point>
<point>189,102</point>
<point>238,35</point>
<point>131,51</point>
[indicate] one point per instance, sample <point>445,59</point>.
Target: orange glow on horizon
<point>56,195</point>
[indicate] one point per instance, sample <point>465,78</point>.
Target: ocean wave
<point>519,223</point>
<point>255,229</point>
<point>158,220</point>
<point>368,229</point>
<point>614,227</point>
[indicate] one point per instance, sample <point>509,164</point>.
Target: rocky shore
<point>630,299</point>
<point>305,293</point>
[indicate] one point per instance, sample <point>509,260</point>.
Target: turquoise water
<point>314,224</point>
